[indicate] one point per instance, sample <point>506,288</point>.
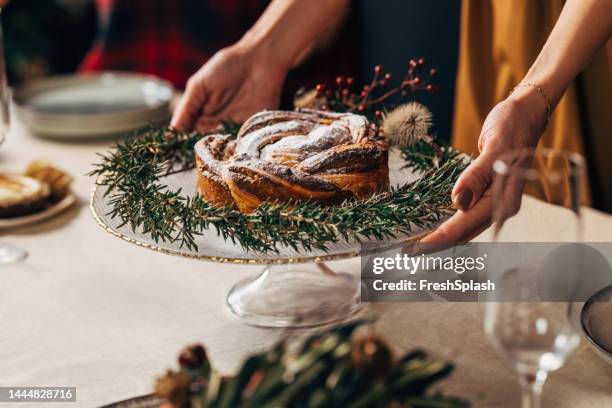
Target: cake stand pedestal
<point>295,289</point>
<point>295,296</point>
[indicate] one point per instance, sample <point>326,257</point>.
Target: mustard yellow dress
<point>499,41</point>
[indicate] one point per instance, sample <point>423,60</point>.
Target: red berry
<point>324,107</point>
<point>339,80</point>
<point>433,71</point>
<point>387,76</point>
<point>364,94</point>
<point>383,83</point>
<point>378,114</point>
<point>345,92</point>
<point>429,88</point>
<point>320,87</point>
<point>413,63</point>
<point>416,81</point>
<point>421,61</point>
<point>361,108</point>
<point>377,69</point>
<point>350,80</point>
<point>366,88</point>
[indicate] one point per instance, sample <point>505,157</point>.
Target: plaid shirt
<point>170,39</point>
<point>173,38</point>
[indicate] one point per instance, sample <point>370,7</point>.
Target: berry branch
<point>369,100</point>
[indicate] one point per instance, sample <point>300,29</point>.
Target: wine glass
<point>8,253</point>
<point>5,96</point>
<point>534,332</point>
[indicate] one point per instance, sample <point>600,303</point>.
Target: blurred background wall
<point>45,37</point>
<point>394,31</point>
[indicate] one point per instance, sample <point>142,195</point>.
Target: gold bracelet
<point>544,95</point>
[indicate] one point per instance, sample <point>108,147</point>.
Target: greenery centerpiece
<point>132,173</point>
<point>338,367</point>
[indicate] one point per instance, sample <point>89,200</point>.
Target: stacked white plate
<point>94,105</point>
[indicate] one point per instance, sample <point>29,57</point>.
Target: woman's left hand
<point>235,83</point>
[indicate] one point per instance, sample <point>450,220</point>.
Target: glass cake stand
<point>294,289</point>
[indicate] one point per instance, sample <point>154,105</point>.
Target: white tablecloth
<point>89,310</point>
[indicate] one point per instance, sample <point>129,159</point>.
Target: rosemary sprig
<point>427,154</point>
<point>132,173</point>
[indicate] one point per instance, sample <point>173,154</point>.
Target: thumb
<point>473,181</point>
<point>189,107</point>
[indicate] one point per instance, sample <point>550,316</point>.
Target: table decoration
<point>342,366</point>
<point>145,194</point>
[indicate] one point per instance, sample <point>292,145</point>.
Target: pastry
<point>21,195</point>
<point>297,155</point>
<point>59,181</point>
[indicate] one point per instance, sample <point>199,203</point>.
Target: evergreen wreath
<point>131,173</point>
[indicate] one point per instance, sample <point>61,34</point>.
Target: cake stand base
<point>295,296</point>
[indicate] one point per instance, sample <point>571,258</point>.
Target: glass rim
<point>502,165</point>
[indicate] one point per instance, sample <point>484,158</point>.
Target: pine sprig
<point>133,176</point>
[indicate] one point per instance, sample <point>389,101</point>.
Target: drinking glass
<point>8,253</point>
<point>5,96</point>
<point>536,336</point>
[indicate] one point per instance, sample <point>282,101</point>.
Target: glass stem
<point>531,385</point>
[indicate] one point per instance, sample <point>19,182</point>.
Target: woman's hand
<point>234,84</point>
<point>518,122</point>
<point>248,76</point>
<point>515,123</point>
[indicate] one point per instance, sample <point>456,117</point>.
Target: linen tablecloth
<point>89,310</point>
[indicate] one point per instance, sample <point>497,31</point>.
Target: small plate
<point>66,202</point>
<point>144,401</point>
<point>595,319</point>
<point>82,106</point>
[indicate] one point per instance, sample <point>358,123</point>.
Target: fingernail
<point>464,199</point>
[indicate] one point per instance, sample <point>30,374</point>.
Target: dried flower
<point>370,354</point>
<point>193,356</point>
<point>407,124</point>
<point>173,387</point>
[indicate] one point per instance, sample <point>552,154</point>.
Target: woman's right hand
<point>235,83</point>
<point>513,124</point>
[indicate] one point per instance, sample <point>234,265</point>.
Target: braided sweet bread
<point>292,155</point>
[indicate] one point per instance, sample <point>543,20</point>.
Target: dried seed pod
<point>407,124</point>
